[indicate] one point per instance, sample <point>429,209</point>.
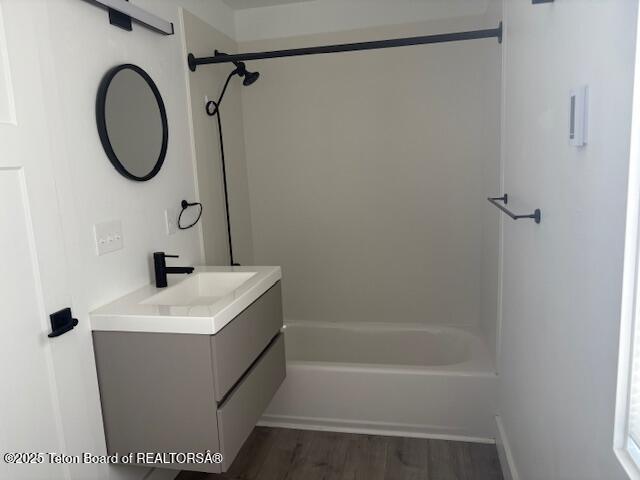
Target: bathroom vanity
<point>190,368</point>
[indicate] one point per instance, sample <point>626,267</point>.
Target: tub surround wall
<point>202,39</point>
<point>563,278</point>
<point>368,173</point>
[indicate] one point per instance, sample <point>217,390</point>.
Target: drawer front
<point>238,344</point>
<point>244,407</point>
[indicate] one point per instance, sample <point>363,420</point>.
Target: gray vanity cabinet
<point>166,392</point>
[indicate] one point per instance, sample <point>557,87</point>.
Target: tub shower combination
<point>407,380</point>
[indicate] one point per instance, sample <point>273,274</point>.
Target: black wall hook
<point>62,322</point>
<point>185,205</point>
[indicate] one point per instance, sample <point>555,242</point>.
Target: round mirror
<point>132,122</point>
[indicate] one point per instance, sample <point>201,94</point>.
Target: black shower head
<point>250,78</point>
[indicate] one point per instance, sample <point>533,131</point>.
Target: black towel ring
<point>185,205</point>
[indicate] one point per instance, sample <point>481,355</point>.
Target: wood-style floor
<point>283,454</point>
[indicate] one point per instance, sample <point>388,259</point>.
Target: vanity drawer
<point>240,412</point>
<point>239,343</point>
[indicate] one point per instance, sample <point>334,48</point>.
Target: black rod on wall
<point>348,47</point>
<point>121,12</point>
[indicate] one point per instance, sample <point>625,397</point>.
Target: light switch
<point>108,237</point>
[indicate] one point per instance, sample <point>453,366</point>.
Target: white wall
<point>562,279</point>
<point>7,107</point>
<point>322,16</point>
<point>77,47</point>
<point>202,39</point>
<point>490,263</point>
<point>368,175</point>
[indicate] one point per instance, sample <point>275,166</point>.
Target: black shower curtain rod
<point>348,47</point>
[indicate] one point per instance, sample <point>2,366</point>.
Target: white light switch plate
<point>108,237</point>
<point>171,220</point>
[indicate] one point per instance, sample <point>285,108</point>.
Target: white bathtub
<point>435,382</point>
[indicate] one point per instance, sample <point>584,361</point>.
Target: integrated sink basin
<point>201,289</point>
<point>200,303</point>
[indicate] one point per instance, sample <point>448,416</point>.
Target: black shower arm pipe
<point>348,47</point>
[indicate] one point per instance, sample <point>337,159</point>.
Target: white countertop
<point>190,303</point>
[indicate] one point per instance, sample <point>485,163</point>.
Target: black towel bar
<point>536,215</point>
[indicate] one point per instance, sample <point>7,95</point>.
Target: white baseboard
<point>507,462</point>
<point>368,428</point>
<point>161,474</point>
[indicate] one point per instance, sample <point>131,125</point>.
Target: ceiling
<point>244,4</point>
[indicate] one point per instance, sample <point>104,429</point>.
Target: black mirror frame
<point>102,123</point>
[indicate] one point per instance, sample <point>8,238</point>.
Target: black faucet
<point>160,265</point>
